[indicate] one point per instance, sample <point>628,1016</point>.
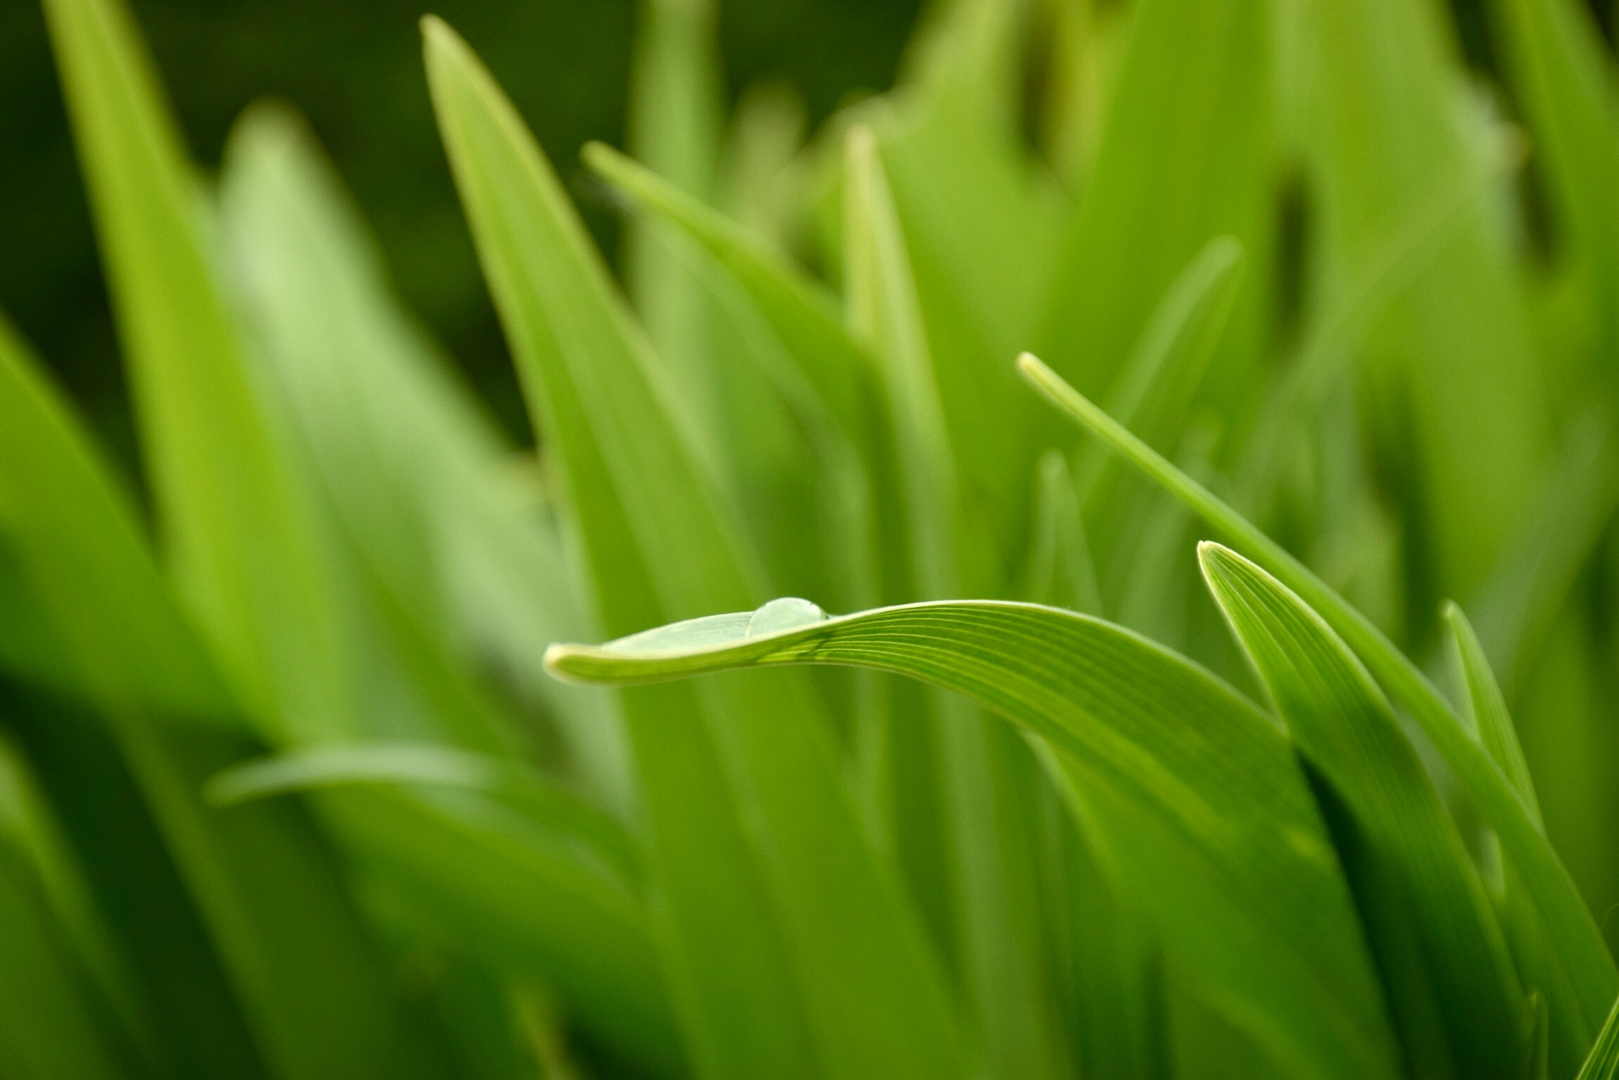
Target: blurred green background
<point>354,68</point>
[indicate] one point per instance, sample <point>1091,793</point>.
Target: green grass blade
<point>1198,791</point>
<point>1561,72</point>
<point>264,884</point>
<point>419,480</point>
<point>1488,707</point>
<point>1443,959</point>
<point>47,1028</point>
<point>75,530</point>
<point>234,526</point>
<point>800,311</point>
<point>674,123</point>
<point>981,767</point>
<point>528,792</point>
<point>1452,363</point>
<point>1185,156</point>
<point>789,948</point>
<point>1603,1064</point>
<point>1060,571</point>
<point>1574,939</point>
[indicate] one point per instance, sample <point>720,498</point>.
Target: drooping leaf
<point>1197,790</point>
<point>1573,937</point>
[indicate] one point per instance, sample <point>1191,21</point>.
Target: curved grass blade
<point>1442,957</point>
<point>432,765</point>
<point>1197,791</point>
<point>1572,934</point>
<point>235,527</point>
<point>1488,707</point>
<point>1603,1064</point>
<point>790,949</point>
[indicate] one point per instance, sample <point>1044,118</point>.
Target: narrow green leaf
<point>263,882</point>
<point>1442,957</point>
<point>1573,936</point>
<point>527,791</point>
<point>1186,155</point>
<point>235,528</point>
<point>1060,571</point>
<point>1197,791</point>
<point>1603,1064</point>
<point>72,535</point>
<point>789,947</point>
<point>1561,73</point>
<point>1488,708</point>
<point>674,124</point>
<point>420,482</point>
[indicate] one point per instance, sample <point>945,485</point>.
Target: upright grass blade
<point>982,769</point>
<point>235,526</point>
<point>78,528</point>
<point>1561,74</point>
<point>1603,1064</point>
<point>1572,934</point>
<point>310,985</point>
<point>1442,958</point>
<point>790,950</point>
<point>419,481</point>
<point>1186,155</point>
<point>1197,791</point>
<point>70,1007</point>
<point>1562,1033</point>
<point>674,127</point>
<point>1488,708</point>
<point>1454,350</point>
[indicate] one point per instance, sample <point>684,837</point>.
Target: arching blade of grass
<point>1198,791</point>
<point>1571,932</point>
<point>788,945</point>
<point>1442,957</point>
<point>235,528</point>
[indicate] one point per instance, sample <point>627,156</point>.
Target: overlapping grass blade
<point>982,768</point>
<point>1197,790</point>
<point>1603,1064</point>
<point>1562,76</point>
<point>790,950</point>
<point>1198,77</point>
<point>236,528</point>
<point>1573,937</point>
<point>1453,354</point>
<point>310,986</point>
<point>674,123</point>
<point>1443,960</point>
<point>419,481</point>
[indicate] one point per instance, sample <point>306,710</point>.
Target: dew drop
<point>785,613</point>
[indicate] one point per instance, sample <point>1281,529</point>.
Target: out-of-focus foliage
<point>300,777</point>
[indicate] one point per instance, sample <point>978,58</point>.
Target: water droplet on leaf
<point>785,613</point>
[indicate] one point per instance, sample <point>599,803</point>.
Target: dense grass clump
<point>1199,411</point>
